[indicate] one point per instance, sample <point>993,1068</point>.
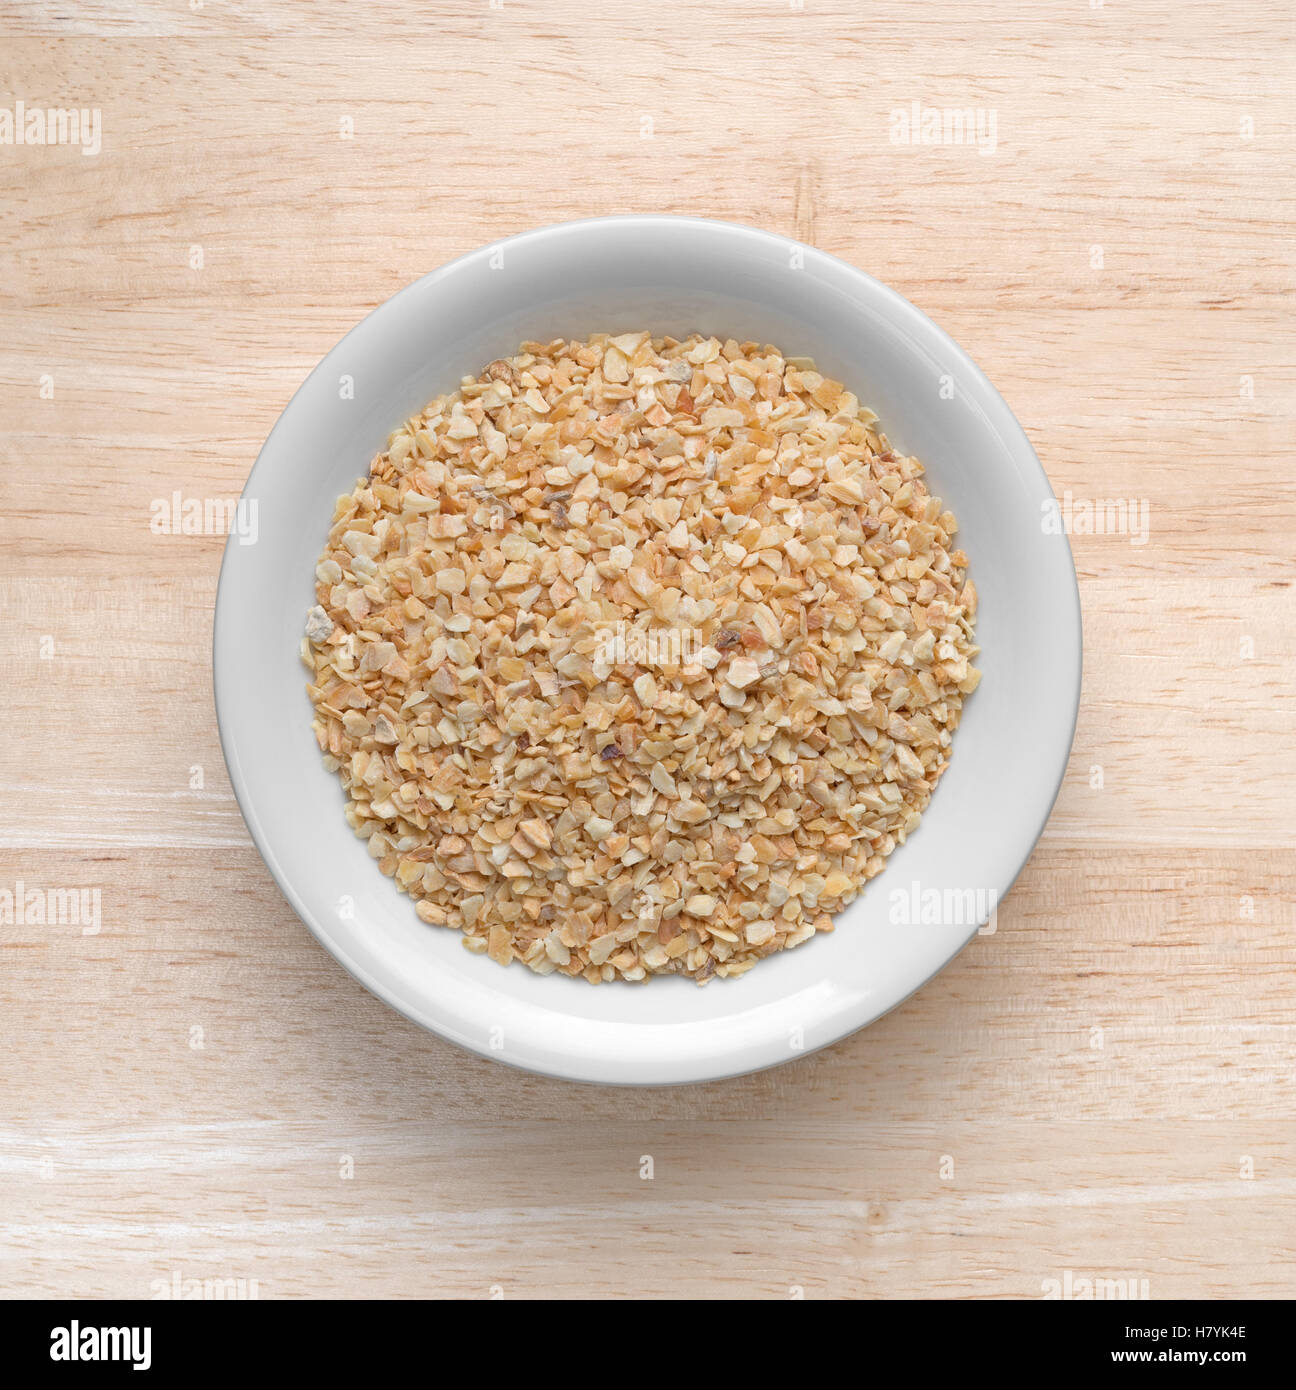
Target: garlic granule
<point>637,656</point>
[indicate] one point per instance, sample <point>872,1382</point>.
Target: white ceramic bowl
<point>672,275</point>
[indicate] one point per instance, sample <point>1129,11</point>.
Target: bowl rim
<point>1000,416</point>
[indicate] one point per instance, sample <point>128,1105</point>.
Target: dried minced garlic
<point>637,656</point>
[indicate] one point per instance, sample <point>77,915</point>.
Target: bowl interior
<point>673,276</point>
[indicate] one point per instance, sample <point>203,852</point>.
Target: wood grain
<point>1105,1085</point>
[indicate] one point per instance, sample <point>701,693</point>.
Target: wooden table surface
<point>1105,1086</point>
